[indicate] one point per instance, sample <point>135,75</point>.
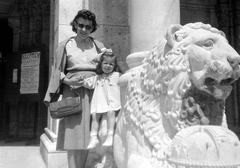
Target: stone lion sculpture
<point>173,112</point>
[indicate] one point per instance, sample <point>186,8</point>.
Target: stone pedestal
<point>51,157</point>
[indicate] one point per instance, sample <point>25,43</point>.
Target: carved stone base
<point>51,157</point>
<point>58,159</point>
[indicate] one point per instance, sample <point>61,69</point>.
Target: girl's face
<point>84,27</point>
<point>108,64</point>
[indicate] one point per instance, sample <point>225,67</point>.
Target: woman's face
<point>84,27</point>
<point>108,64</point>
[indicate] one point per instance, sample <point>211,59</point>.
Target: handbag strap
<point>98,45</point>
<point>72,88</point>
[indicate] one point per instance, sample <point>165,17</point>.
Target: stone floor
<point>18,155</point>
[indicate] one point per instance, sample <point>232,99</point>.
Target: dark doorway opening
<point>6,45</point>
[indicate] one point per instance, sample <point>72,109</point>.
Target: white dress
<point>106,96</point>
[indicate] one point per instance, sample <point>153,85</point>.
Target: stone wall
<point>113,30</point>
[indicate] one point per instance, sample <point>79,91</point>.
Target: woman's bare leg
<point>77,158</point>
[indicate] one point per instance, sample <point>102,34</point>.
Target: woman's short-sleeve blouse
<point>78,58</point>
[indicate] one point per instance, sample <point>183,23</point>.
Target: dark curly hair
<point>85,14</point>
<point>107,54</point>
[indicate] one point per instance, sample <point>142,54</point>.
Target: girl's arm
<point>87,82</point>
<point>90,83</point>
<point>75,82</point>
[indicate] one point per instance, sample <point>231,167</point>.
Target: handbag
<point>65,107</point>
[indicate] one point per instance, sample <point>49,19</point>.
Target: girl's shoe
<point>93,142</point>
<point>108,141</point>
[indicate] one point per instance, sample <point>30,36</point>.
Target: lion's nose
<point>234,60</point>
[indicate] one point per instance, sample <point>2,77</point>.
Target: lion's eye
<point>208,44</point>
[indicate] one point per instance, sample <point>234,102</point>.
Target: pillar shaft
<point>149,21</point>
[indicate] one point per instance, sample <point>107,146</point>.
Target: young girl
<point>106,96</point>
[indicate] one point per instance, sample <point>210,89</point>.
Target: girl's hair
<point>87,15</point>
<point>107,54</point>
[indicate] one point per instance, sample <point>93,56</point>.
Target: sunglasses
<point>81,26</point>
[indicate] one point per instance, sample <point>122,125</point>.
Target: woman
<point>75,58</point>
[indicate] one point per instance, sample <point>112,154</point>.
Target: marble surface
<point>181,84</point>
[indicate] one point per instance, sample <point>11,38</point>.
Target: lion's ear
<point>171,35</point>
<point>222,33</point>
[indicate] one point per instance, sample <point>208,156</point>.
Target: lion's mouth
<point>210,81</point>
<point>219,90</point>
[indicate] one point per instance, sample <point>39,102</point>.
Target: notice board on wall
<point>26,75</point>
<point>30,71</point>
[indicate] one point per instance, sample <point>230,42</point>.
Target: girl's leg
<point>94,131</point>
<point>77,158</point>
<point>111,120</point>
<point>95,122</point>
<point>111,124</point>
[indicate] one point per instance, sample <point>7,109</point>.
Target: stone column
<point>62,13</point>
<point>236,34</point>
<point>148,24</point>
<point>149,20</point>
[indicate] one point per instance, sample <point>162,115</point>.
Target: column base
<point>51,157</point>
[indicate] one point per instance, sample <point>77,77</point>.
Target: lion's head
<point>214,64</point>
<point>192,71</point>
<point>183,81</point>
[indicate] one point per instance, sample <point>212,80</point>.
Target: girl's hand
<point>102,51</point>
<point>77,81</point>
<point>106,50</point>
<point>80,80</point>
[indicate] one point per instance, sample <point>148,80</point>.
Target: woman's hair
<point>87,15</point>
<point>107,54</point>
